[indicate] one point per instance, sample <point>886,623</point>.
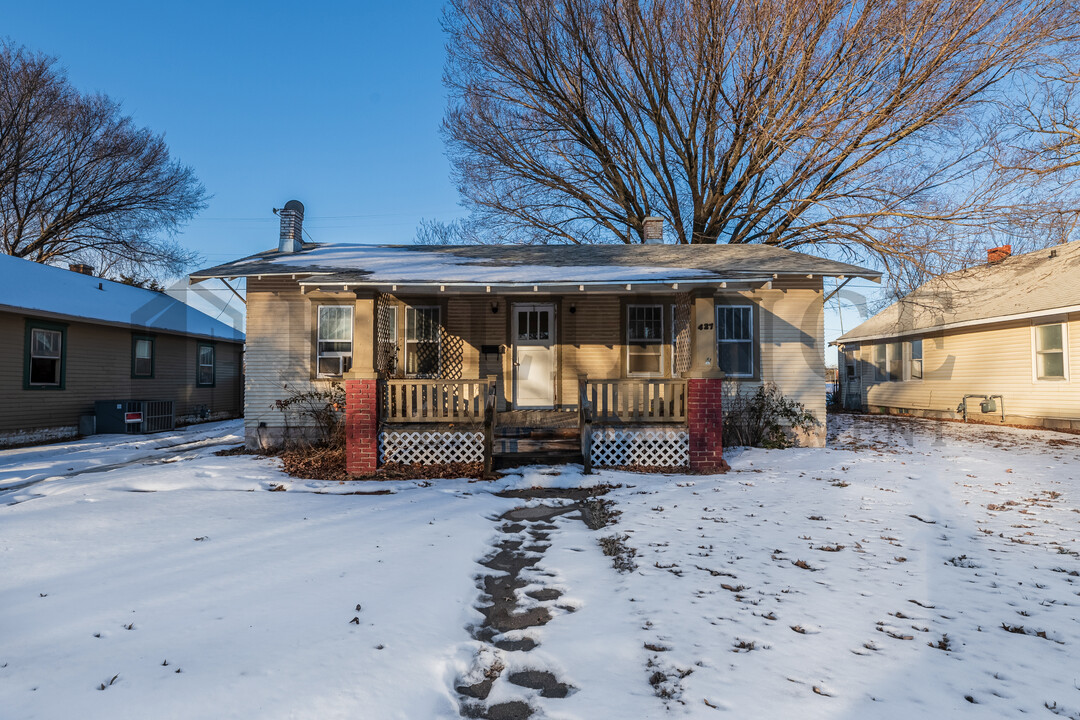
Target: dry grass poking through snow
<point>926,569</point>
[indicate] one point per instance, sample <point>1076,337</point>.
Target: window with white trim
<point>334,338</point>
<point>896,362</point>
<point>915,365</point>
<point>1050,352</point>
<point>423,345</point>
<point>644,339</point>
<point>46,355</point>
<point>205,371</point>
<point>880,364</point>
<point>735,340</point>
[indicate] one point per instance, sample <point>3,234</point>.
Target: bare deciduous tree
<point>80,182</point>
<point>789,122</point>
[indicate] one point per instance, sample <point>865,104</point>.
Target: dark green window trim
<point>153,352</point>
<point>199,366</point>
<point>32,325</point>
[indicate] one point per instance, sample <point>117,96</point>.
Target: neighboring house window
<point>880,354</point>
<point>334,340</point>
<point>45,355</point>
<point>915,368</point>
<point>204,373</point>
<point>896,361</point>
<point>735,340</point>
<point>1050,357</point>
<point>423,326</point>
<point>142,356</point>
<point>644,339</point>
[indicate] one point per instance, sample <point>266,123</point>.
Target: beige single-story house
<point>997,343</point>
<point>632,340</point>
<point>72,341</point>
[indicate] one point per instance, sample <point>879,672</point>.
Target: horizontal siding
<point>98,367</point>
<point>994,360</point>
<point>792,342</point>
<point>590,341</point>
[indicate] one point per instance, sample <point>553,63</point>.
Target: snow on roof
<point>1028,285</point>
<point>519,264</point>
<point>31,286</point>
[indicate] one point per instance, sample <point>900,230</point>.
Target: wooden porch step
<point>504,446</point>
<point>537,433</point>
<point>502,461</point>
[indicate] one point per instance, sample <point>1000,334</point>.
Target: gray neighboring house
<point>999,342</point>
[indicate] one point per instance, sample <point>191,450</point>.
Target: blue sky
<point>335,104</point>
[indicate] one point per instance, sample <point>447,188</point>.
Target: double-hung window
<point>915,367</point>
<point>896,362</point>
<point>205,369</point>
<point>334,340</point>
<point>142,356</point>
<point>644,339</point>
<point>880,369</point>
<point>735,340</point>
<point>423,330</point>
<point>45,355</point>
<point>1050,354</point>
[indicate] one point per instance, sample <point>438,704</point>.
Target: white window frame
<point>752,342</point>
<point>659,340</point>
<point>340,355</point>
<point>909,360</point>
<point>59,358</point>
<point>1035,352</point>
<point>438,340</point>
<point>199,365</point>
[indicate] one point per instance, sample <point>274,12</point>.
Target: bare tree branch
<point>850,127</point>
<point>79,182</point>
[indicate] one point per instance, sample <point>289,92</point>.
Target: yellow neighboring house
<point>996,343</point>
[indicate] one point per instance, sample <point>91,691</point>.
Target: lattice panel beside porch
<point>430,448</point>
<point>649,448</point>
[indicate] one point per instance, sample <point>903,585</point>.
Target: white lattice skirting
<point>650,448</point>
<point>430,448</point>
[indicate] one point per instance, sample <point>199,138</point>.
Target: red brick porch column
<point>361,426</point>
<point>705,424</point>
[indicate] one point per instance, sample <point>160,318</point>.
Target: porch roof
<point>472,266</point>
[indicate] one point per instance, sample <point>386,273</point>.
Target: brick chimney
<point>292,227</point>
<point>82,268</point>
<point>996,255</point>
<point>654,230</point>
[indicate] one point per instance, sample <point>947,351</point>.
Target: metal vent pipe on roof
<point>291,238</point>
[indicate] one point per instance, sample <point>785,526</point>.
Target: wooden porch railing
<point>636,401</point>
<point>433,401</point>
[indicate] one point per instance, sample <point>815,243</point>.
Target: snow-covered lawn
<point>810,583</point>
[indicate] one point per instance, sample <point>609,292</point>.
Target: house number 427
<point>705,326</point>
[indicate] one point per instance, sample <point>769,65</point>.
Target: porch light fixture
<point>674,286</point>
<point>487,289</point>
<point>627,287</point>
<point>581,288</point>
<point>536,288</point>
<point>442,288</point>
<point>573,308</point>
<point>494,307</point>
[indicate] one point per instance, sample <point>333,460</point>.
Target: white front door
<point>534,356</point>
